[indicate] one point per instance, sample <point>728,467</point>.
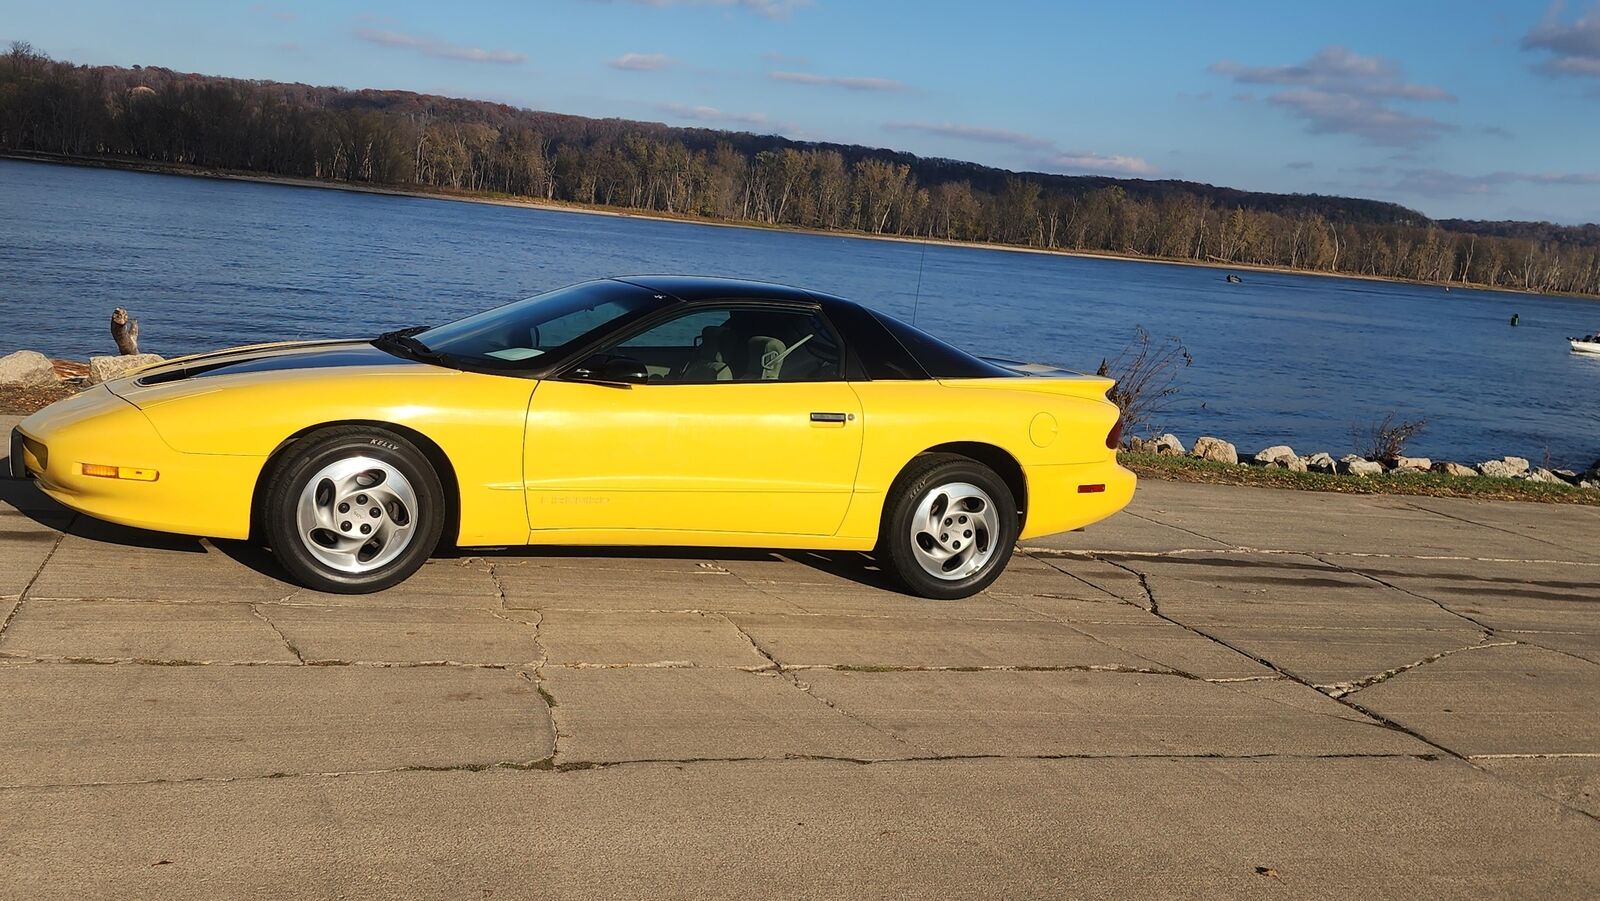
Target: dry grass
<point>1426,484</point>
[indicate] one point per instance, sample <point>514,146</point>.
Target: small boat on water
<point>1234,279</point>
<point>1588,344</point>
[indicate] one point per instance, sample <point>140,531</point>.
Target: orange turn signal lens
<point>131,473</point>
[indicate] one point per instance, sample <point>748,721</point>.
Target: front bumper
<point>193,494</point>
<point>19,468</point>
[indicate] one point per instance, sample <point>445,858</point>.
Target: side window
<point>736,344</point>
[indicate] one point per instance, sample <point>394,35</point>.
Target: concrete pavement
<point>1220,691</point>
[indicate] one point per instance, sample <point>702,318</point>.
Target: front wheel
<point>353,509</point>
<point>949,527</point>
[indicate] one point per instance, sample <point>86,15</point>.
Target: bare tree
<point>1146,373</point>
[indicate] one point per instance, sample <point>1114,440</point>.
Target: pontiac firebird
<point>637,411</point>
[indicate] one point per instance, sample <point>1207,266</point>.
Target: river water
<point>1294,359</point>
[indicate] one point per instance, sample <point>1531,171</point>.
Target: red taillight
<point>1114,437</point>
<point>1098,488</point>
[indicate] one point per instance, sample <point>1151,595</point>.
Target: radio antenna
<point>918,299</point>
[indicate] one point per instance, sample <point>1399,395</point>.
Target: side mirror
<point>612,370</point>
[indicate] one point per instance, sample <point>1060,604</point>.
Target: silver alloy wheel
<point>953,530</point>
<point>357,514</point>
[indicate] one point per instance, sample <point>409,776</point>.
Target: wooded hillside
<point>398,138</point>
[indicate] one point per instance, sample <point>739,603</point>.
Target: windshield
<point>549,323</point>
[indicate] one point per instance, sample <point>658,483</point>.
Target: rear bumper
<point>1063,497</point>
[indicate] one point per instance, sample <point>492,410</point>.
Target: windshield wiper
<point>403,343</point>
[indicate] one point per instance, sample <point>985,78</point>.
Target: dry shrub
<point>1146,373</point>
<point>1386,438</point>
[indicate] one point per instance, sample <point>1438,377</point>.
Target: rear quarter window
<point>940,360</point>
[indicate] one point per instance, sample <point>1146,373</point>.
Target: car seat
<point>712,360</point>
<point>767,356</point>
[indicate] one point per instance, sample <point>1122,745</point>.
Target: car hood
<point>202,372</point>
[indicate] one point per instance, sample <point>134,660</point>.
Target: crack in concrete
<point>536,676</point>
<point>278,632</point>
<point>548,765</point>
<point>1375,717</point>
<point>1481,626</point>
<point>1244,550</point>
<point>772,662</point>
<point>536,626</point>
<point>1534,755</point>
<point>22,597</point>
<point>1372,715</point>
<point>1339,690</point>
<point>789,675</point>
<point>1157,522</point>
<point>1483,525</point>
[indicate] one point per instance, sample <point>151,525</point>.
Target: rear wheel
<point>949,527</point>
<point>353,509</point>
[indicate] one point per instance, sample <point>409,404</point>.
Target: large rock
<point>1497,469</point>
<point>1507,468</point>
<point>1545,476</point>
<point>1321,461</point>
<point>1413,464</point>
<point>1352,465</point>
<point>1216,450</point>
<point>1276,455</point>
<point>104,369</point>
<point>1453,469</point>
<point>28,369</point>
<point>1168,445</point>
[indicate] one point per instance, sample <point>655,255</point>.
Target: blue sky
<point>1483,109</point>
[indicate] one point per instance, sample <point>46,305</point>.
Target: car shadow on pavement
<point>28,500</point>
<point>854,566</point>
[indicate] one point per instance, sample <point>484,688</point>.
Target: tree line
<point>401,139</point>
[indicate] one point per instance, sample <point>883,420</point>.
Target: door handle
<point>830,417</point>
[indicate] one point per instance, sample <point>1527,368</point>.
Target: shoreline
<point>491,199</point>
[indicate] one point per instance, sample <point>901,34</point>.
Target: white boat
<point>1586,345</point>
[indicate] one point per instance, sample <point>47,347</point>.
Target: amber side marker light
<point>1091,489</point>
<point>131,473</point>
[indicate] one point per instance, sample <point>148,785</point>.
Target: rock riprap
<point>104,369</point>
<point>28,369</point>
<point>1215,449</point>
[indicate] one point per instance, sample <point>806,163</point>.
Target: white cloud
<point>1040,151</point>
<point>771,9</point>
<point>1440,183</point>
<point>428,46</point>
<point>1571,48</point>
<point>642,62</point>
<point>974,133</point>
<point>1340,92</point>
<point>1078,163</point>
<point>712,114</point>
<point>851,83</point>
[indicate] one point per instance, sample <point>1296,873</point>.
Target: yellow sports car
<point>639,411</point>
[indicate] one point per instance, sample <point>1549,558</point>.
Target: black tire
<point>290,475</point>
<point>895,544</point>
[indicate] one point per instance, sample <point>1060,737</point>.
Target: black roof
<point>693,288</point>
<point>883,346</point>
